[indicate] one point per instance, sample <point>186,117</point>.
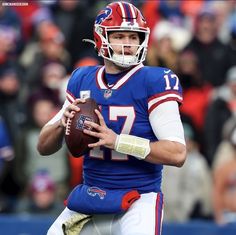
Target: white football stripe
<point>133,12</point>
<point>102,85</point>
<point>122,11</point>
<point>70,97</point>
<point>127,76</point>
<point>158,99</point>
<point>99,78</point>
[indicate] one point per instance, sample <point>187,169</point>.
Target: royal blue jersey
<point>5,144</point>
<point>126,101</point>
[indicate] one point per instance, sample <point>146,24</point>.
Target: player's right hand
<point>70,110</point>
<point>107,137</point>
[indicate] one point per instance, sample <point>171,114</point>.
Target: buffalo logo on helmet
<point>103,15</point>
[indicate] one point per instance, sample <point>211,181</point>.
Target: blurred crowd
<point>41,44</point>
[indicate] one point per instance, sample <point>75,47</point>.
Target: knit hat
<point>42,182</point>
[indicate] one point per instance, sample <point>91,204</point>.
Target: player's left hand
<point>106,136</point>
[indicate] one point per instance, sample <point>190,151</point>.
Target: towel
<point>74,225</point>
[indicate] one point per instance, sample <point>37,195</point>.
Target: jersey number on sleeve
<point>114,113</point>
<point>167,78</point>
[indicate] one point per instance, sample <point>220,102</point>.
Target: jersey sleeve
<point>74,84</point>
<point>163,85</point>
<point>76,80</point>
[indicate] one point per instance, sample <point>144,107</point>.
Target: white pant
<point>144,217</point>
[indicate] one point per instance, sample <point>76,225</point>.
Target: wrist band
<point>133,145</point>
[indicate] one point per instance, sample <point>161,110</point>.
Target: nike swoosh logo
<point>167,71</point>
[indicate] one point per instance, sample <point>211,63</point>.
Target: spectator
<point>26,15</point>
<point>211,53</point>
<point>221,108</point>
<point>9,94</point>
<point>151,13</point>
<point>49,49</point>
<point>232,41</point>
<point>172,11</point>
<point>162,53</point>
<point>6,147</point>
<point>42,109</point>
<point>10,84</point>
<point>66,15</point>
<point>226,150</point>
<point>40,197</point>
<point>223,11</point>
<point>11,20</point>
<point>197,92</point>
<point>191,8</point>
<point>167,40</point>
<point>224,186</point>
<point>52,78</point>
<point>189,187</point>
<point>6,155</point>
<point>11,44</point>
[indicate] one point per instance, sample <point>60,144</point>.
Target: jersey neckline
<point>101,81</point>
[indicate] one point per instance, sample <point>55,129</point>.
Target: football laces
<point>68,125</point>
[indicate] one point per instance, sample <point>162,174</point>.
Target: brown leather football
<point>76,141</point>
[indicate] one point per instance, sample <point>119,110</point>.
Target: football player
<point>139,130</point>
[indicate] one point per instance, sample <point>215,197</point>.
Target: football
<point>76,141</point>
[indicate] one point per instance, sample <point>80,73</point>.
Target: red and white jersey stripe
<point>157,99</point>
<point>102,84</point>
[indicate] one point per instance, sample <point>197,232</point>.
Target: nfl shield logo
<point>107,93</point>
<point>80,122</point>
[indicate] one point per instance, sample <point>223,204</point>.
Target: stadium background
<point>41,44</point>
